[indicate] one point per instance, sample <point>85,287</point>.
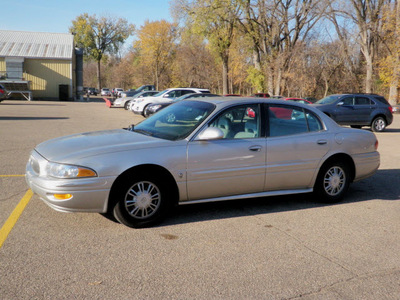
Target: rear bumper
<point>366,164</point>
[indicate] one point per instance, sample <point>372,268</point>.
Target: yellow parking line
<point>13,218</point>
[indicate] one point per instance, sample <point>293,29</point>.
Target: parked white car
<point>117,91</point>
<point>105,92</point>
<point>125,101</point>
<point>165,96</point>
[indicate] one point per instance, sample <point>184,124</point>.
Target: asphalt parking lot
<point>269,248</point>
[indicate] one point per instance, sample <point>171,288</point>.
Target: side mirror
<point>210,133</point>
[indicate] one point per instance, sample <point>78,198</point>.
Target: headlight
<point>68,171</point>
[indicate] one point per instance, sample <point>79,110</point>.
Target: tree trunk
<point>157,78</point>
<point>368,79</point>
<point>278,82</point>
<point>270,79</point>
<point>225,69</point>
<point>257,64</point>
<point>98,75</point>
<point>394,83</point>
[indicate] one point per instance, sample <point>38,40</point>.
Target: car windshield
<point>180,98</point>
<point>176,121</point>
<point>328,100</point>
<point>160,93</point>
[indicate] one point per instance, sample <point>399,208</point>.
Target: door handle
<point>322,142</point>
<point>255,148</point>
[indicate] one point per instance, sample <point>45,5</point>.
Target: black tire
<point>141,200</point>
<point>378,124</point>
<point>126,105</point>
<point>144,114</point>
<point>332,182</point>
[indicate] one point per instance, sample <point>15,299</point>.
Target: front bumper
<point>88,194</point>
<point>136,111</point>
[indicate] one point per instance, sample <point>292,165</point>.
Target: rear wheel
<point>126,105</point>
<point>378,124</point>
<point>141,200</point>
<point>332,182</point>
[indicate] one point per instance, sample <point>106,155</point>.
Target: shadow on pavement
<point>32,118</point>
<point>381,186</point>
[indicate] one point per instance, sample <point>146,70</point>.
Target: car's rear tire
<point>141,200</point>
<point>378,124</point>
<point>126,105</point>
<point>332,182</point>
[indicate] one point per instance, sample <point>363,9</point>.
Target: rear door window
<point>286,120</point>
<point>362,101</point>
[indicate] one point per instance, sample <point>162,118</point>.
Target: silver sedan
<point>202,150</point>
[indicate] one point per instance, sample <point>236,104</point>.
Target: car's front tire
<point>144,114</point>
<point>141,200</point>
<point>378,124</point>
<point>332,182</point>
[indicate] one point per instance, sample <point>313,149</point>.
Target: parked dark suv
<point>358,110</point>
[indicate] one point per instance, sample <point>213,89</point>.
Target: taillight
<point>376,145</point>
<point>2,91</point>
<point>391,108</point>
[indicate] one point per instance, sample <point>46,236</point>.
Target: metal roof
<point>36,44</point>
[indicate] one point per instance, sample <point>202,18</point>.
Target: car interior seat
<point>225,125</point>
<point>250,130</point>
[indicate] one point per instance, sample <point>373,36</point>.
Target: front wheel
<point>141,201</point>
<point>378,124</point>
<point>332,182</point>
<point>144,113</point>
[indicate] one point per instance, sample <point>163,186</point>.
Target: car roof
<point>199,89</point>
<point>226,101</point>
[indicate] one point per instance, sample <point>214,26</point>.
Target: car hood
<point>74,147</point>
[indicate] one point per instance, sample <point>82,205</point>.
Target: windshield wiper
<point>130,127</point>
<point>145,132</point>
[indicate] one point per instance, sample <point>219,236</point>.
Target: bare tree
<point>394,83</point>
<point>275,27</point>
<point>366,15</point>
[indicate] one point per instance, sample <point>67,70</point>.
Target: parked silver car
<point>213,149</point>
